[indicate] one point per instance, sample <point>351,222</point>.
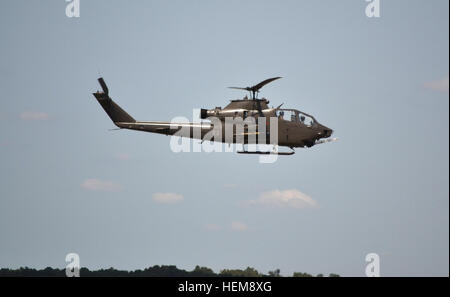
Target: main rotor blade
<point>256,87</point>
<point>263,83</point>
<point>238,88</point>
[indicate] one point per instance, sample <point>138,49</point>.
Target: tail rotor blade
<point>103,85</point>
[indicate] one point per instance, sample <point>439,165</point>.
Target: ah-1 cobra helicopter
<point>295,128</point>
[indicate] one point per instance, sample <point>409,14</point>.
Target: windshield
<point>296,116</point>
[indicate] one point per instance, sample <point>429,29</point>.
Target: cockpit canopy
<point>296,116</point>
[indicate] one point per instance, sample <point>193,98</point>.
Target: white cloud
<point>238,226</point>
<point>33,116</point>
<point>287,198</point>
<point>438,85</point>
<point>94,184</point>
<point>168,198</point>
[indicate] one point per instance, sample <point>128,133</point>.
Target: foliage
<point>164,270</point>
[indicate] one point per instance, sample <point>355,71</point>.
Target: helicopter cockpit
<point>296,116</point>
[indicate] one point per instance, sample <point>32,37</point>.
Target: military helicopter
<point>294,128</point>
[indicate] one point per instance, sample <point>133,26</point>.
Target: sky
<point>123,199</point>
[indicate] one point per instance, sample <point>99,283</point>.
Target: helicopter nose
<point>327,132</point>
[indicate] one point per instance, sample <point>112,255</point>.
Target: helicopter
<point>287,127</point>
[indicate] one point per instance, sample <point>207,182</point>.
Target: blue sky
<point>124,199</point>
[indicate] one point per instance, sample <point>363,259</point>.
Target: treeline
<point>160,271</point>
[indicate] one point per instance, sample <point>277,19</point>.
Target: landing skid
<point>267,153</point>
<point>273,152</point>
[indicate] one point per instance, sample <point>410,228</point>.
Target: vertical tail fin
<point>114,111</point>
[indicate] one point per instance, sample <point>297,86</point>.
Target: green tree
<point>301,274</point>
<point>248,272</point>
<point>202,271</point>
<point>275,273</point>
